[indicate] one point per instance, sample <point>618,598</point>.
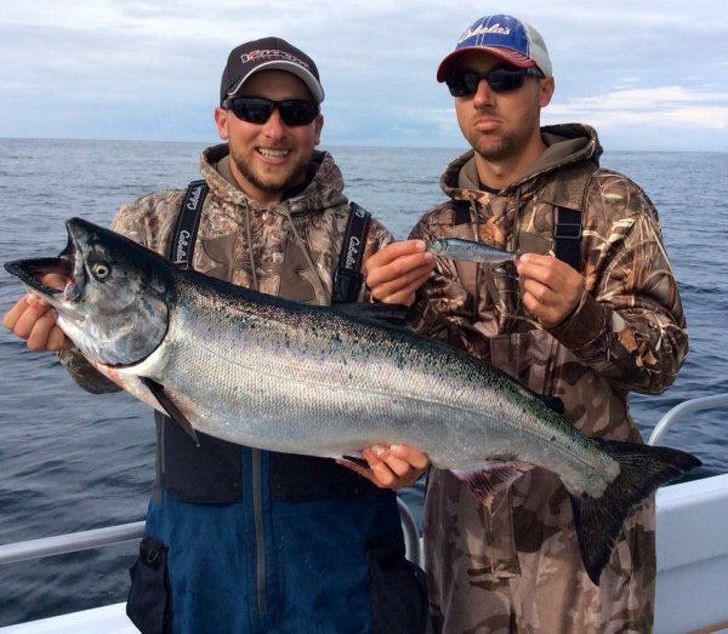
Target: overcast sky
<point>649,75</point>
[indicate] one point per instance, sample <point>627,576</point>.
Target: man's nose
<point>483,96</point>
<point>274,127</point>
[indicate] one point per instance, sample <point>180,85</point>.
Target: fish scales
<point>302,374</point>
<point>269,373</point>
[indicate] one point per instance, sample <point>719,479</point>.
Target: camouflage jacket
<point>290,249</point>
<point>628,333</point>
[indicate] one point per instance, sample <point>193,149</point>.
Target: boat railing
<point>682,410</point>
<point>112,535</point>
<point>70,542</point>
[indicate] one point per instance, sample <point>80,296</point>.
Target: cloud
<point>646,98</point>
<point>662,106</point>
<point>105,61</point>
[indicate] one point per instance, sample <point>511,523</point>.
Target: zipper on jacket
<point>473,208</point>
<point>162,453</point>
<point>257,488</point>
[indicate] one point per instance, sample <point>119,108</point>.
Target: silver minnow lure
<point>468,251</point>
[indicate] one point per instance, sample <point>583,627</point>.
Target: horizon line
<point>209,143</point>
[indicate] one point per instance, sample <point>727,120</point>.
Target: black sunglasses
<point>294,112</point>
<point>465,82</point>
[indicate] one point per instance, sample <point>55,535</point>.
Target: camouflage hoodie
<point>628,333</point>
<point>290,249</point>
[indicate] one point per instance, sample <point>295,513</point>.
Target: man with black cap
<point>590,311</point>
<point>238,539</point>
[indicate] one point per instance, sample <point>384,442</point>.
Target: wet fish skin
<point>278,375</point>
<point>468,251</point>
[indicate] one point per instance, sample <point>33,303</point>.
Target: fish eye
<point>100,270</point>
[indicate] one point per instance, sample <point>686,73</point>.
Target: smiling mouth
<point>269,153</point>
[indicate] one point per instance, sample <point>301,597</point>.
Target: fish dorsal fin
<point>488,480</point>
<point>157,389</point>
<point>390,315</point>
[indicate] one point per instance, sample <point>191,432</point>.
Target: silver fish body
<point>265,372</point>
<point>309,380</point>
<point>467,251</point>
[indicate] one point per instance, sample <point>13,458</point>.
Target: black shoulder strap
<point>348,277</point>
<point>215,463</point>
<point>567,236</point>
<point>568,195</point>
<point>182,244</point>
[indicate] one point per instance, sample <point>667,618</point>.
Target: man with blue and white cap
<point>590,312</point>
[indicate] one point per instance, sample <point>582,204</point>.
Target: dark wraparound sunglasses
<point>465,82</point>
<point>294,112</point>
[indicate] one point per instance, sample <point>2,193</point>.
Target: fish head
<point>436,245</point>
<point>112,295</point>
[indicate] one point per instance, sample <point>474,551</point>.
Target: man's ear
<point>221,122</point>
<point>319,121</point>
<point>546,89</point>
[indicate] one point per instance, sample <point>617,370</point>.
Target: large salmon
<point>262,371</point>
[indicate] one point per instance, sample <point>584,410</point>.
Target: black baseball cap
<point>268,53</point>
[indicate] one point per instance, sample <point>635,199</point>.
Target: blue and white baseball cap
<point>504,37</point>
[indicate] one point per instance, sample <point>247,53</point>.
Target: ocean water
<point>70,461</point>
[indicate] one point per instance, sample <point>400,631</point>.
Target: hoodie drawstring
<point>320,290</point>
<point>515,234</point>
<point>478,269</point>
<point>249,234</point>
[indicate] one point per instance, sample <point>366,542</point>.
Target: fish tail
<point>642,469</point>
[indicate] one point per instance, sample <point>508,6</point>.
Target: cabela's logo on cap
<point>271,53</point>
<point>484,30</point>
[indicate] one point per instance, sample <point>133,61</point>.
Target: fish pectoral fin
<point>157,389</point>
<point>356,456</point>
<point>357,465</point>
<point>390,315</point>
<point>489,481</point>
